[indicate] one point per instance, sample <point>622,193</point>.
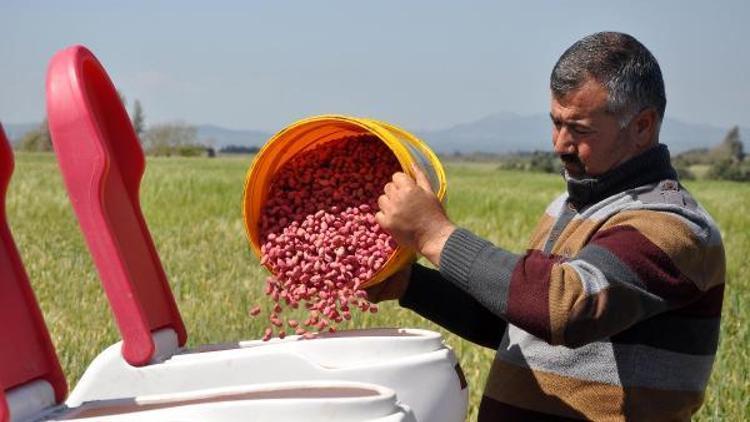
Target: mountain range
<point>510,132</point>
<point>495,133</point>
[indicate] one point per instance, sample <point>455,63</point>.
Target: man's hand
<point>391,288</point>
<point>414,216</point>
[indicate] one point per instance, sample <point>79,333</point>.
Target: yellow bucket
<point>309,133</point>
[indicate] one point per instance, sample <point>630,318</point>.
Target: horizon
<point>742,128</point>
<point>496,134</point>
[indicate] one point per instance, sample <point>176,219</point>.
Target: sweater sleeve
<point>432,296</point>
<point>639,264</point>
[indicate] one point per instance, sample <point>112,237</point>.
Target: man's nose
<point>563,141</point>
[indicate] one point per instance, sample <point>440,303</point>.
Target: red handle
<point>102,164</point>
<point>4,416</point>
<point>26,350</point>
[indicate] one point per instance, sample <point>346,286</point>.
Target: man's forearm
<point>435,298</point>
<point>478,268</point>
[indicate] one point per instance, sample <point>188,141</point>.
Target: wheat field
<point>193,209</point>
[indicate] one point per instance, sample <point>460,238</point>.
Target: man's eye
<point>579,130</point>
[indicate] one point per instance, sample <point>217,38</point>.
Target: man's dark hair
<point>621,64</point>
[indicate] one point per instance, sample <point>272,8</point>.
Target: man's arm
<point>639,264</point>
<point>437,299</point>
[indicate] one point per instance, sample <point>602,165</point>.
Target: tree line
<point>725,161</point>
<point>163,139</point>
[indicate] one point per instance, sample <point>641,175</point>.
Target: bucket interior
<point>277,152</point>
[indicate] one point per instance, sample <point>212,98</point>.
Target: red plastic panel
<point>102,165</point>
<point>4,416</point>
<point>26,350</point>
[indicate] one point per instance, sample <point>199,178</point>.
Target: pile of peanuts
<point>319,236</point>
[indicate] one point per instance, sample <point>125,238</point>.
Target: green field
<point>193,210</point>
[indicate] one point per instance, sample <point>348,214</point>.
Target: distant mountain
<point>509,132</point>
<point>496,133</point>
<point>681,136</point>
<point>223,136</point>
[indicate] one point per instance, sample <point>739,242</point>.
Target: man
<point>613,311</point>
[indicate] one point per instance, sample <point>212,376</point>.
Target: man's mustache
<point>570,159</point>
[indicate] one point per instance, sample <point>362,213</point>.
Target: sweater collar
<point>651,166</point>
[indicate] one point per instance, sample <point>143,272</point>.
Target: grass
<point>193,210</point>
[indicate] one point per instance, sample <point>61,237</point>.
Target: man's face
<point>587,138</point>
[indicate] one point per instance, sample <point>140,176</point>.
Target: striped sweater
<point>612,313</point>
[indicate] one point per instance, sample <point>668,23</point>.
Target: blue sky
<point>419,64</point>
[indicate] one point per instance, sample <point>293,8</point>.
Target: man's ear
<point>645,126</point>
